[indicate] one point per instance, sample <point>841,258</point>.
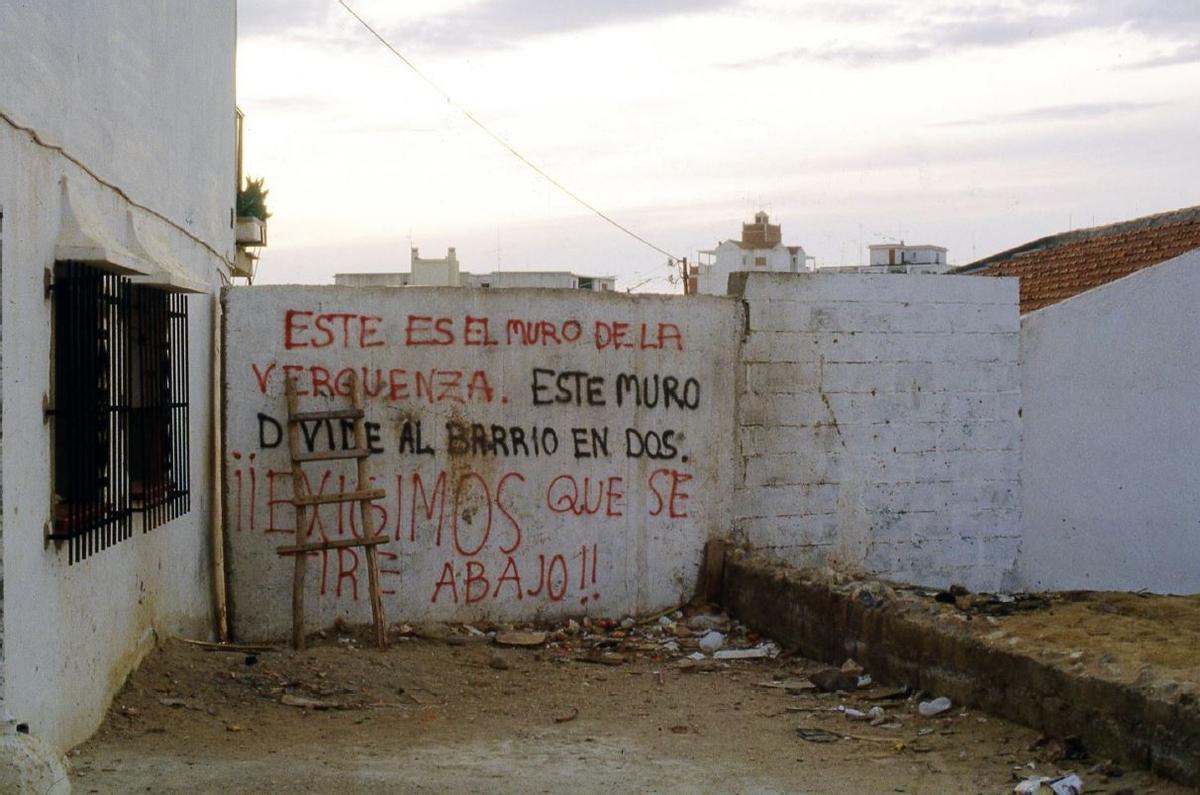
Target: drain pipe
<point>218,460</point>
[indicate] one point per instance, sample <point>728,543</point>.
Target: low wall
<point>879,418</point>
<point>901,641</point>
<point>1112,494</point>
<point>542,452</point>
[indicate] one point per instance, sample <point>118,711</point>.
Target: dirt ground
<point>1132,638</point>
<point>461,713</point>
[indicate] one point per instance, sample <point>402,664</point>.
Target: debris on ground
<point>208,721</point>
<point>759,652</point>
<point>1041,785</point>
<point>1056,749</point>
<point>833,680</point>
<point>815,735</point>
<point>694,637</point>
<point>523,639</point>
<point>570,716</point>
<point>712,641</point>
<point>931,709</point>
<point>288,700</point>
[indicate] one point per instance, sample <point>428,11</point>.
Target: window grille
<point>120,414</point>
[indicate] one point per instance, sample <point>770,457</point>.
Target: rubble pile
<point>694,639</point>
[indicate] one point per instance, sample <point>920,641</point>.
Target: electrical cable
<point>495,137</point>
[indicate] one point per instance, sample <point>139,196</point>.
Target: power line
<point>498,139</point>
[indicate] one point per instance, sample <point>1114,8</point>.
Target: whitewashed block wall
<point>879,420</point>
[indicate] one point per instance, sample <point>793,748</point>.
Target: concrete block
<point>859,287</point>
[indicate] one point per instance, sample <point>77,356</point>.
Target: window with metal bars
<point>120,412</point>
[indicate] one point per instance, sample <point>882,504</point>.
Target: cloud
<point>500,23</point>
<point>270,17</point>
<point>1189,53</point>
<point>844,55</point>
<point>947,28</point>
<point>1054,113</point>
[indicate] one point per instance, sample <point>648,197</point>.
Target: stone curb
<point>802,611</point>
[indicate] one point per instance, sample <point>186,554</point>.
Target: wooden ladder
<point>304,501</point>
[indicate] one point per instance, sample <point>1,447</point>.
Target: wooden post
<point>368,519</point>
<point>298,490</point>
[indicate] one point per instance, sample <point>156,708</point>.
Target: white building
<point>898,258</point>
<point>759,249</point>
<point>117,190</point>
<point>444,272</point>
<point>922,258</point>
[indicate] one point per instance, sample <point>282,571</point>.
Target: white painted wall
<point>560,280</point>
<point>900,254</point>
<point>141,93</point>
<point>634,551</point>
<point>880,430</point>
<point>1112,434</point>
<point>729,257</point>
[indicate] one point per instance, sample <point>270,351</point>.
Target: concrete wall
<point>880,429</point>
<point>610,518</point>
<point>140,94</point>
<point>1112,485</point>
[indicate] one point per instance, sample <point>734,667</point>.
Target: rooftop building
<point>760,248</point>
<point>444,272</point>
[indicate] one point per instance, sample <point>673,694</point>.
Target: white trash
<point>762,650</point>
<point>1039,785</point>
<point>929,709</point>
<point>712,641</point>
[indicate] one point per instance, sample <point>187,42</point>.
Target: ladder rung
<point>346,496</point>
<point>340,543</point>
<point>334,414</point>
<point>330,455</point>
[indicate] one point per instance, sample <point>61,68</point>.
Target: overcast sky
<point>973,125</point>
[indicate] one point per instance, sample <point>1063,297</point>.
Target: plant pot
<point>251,231</point>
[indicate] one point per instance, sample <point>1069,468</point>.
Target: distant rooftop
<point>1056,267</point>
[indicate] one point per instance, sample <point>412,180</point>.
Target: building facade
<point>117,189</point>
<point>922,258</point>
<point>444,272</point>
<point>760,249</point>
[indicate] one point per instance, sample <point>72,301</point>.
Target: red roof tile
<point>1055,268</point>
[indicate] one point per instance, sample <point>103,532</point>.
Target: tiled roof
<point>1055,268</point>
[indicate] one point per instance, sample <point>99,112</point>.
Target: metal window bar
<point>91,496</point>
<point>160,461</point>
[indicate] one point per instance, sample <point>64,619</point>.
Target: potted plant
<point>252,214</point>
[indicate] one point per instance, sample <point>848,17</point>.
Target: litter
<point>712,641</point>
<point>929,709</point>
<point>760,651</point>
<point>1040,785</point>
<point>814,735</point>
<point>702,622</point>
<point>289,700</point>
<point>790,685</point>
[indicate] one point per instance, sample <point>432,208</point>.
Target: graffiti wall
<point>542,453</point>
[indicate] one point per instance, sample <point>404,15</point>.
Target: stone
<point>28,765</point>
<point>521,638</point>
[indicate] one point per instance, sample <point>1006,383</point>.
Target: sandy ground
<point>426,715</point>
<point>1133,638</point>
